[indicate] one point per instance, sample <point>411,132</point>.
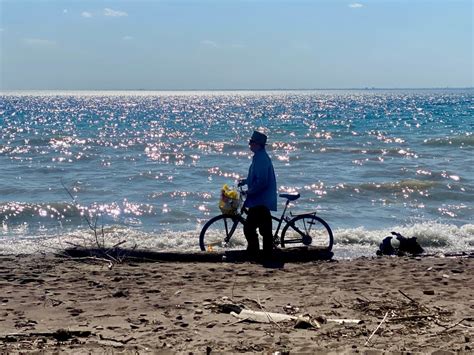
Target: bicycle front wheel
<point>307,229</point>
<point>217,233</point>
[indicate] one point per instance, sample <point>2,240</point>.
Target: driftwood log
<point>298,254</point>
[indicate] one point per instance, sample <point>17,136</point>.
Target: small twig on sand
<point>375,331</point>
<point>238,321</point>
<point>452,326</point>
<point>404,294</point>
<point>420,316</point>
<point>232,292</point>
<point>93,258</point>
<point>266,313</point>
<point>118,244</point>
<point>124,341</point>
<point>75,245</point>
<point>362,296</point>
<point>414,301</point>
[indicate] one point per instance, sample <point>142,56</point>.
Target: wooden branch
<point>375,331</point>
<point>404,294</point>
<point>118,244</point>
<point>344,321</point>
<point>294,254</point>
<point>452,326</point>
<point>415,302</point>
<point>421,316</point>
<point>124,341</point>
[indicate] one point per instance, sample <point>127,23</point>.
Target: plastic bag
<point>230,200</point>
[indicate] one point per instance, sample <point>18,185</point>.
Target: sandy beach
<point>416,305</point>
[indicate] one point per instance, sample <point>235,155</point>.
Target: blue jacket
<point>261,182</point>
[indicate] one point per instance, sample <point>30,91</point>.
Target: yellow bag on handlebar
<point>230,200</point>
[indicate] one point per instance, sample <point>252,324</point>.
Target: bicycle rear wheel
<point>307,229</point>
<point>217,233</point>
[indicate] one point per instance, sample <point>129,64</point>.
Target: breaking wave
<point>351,242</point>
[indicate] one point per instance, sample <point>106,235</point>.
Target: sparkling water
<point>148,166</point>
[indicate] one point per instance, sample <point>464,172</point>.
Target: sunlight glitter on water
<point>365,157</point>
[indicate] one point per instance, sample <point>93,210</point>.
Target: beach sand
<point>80,306</point>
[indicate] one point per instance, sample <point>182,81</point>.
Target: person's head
<point>257,141</point>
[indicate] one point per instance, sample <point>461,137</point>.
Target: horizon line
<point>260,89</point>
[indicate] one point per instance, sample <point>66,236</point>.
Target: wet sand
<point>79,306</point>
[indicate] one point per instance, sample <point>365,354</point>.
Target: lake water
<point>150,165</point>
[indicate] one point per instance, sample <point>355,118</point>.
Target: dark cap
<point>258,138</point>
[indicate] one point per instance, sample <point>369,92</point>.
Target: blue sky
<point>232,44</point>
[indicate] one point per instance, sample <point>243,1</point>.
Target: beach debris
<point>58,335</point>
<point>345,321</point>
<point>305,322</point>
<point>375,331</point>
<point>244,314</point>
<point>386,248</point>
<point>406,246</point>
<point>300,322</point>
<point>229,308</point>
<point>410,312</point>
<point>289,309</point>
<point>263,317</point>
<point>120,293</point>
<point>125,340</point>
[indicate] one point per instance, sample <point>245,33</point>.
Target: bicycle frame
<point>297,227</point>
<point>283,218</point>
<point>230,233</point>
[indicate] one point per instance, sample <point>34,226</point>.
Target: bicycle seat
<point>290,197</point>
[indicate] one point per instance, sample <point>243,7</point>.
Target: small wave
<point>445,237</point>
<point>410,184</point>
<point>112,235</point>
<point>459,141</point>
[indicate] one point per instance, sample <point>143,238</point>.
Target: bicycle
<point>299,229</point>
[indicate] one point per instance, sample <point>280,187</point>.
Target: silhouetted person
<point>261,198</point>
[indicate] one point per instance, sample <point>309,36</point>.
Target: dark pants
<point>259,217</point>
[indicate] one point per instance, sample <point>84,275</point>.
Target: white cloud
<point>127,38</point>
<point>39,42</point>
<point>86,14</point>
<point>114,13</point>
<point>209,43</point>
<point>356,5</point>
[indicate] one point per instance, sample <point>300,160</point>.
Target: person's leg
<point>250,231</point>
<point>266,232</point>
